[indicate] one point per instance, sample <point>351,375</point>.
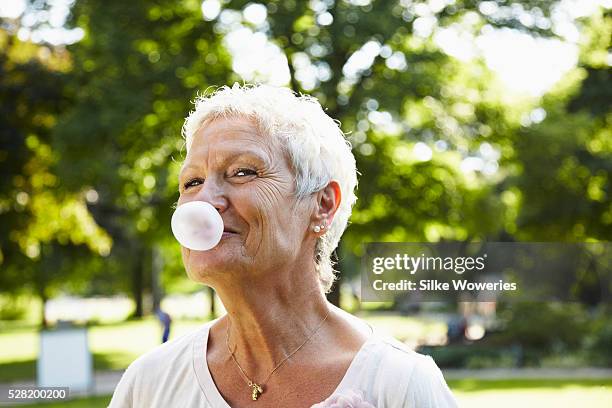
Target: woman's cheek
<point>185,257</point>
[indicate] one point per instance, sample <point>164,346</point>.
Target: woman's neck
<point>267,321</point>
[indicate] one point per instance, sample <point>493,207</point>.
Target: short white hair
<point>316,147</point>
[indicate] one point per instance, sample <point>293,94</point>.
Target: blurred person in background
<point>166,321</point>
<point>282,176</point>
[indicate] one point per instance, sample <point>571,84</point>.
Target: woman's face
<point>247,177</point>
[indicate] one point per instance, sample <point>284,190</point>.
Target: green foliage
<point>38,224</point>
<point>13,308</point>
<point>599,341</point>
<point>564,163</point>
<point>565,180</point>
<point>544,327</point>
<point>472,356</point>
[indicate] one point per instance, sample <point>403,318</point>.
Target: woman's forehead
<point>233,137</point>
<point>227,127</point>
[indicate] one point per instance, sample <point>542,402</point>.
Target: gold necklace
<point>258,389</point>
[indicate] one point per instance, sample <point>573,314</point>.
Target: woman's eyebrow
<point>227,158</point>
<point>248,154</point>
<point>184,169</point>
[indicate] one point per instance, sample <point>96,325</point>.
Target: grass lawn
<point>92,402</point>
<point>482,394</point>
<point>532,393</point>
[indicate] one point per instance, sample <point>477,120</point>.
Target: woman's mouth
<point>228,233</point>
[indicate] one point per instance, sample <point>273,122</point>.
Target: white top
<point>384,371</point>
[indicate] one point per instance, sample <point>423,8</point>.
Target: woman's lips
<point>228,231</point>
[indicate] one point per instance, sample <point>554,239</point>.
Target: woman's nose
<point>213,194</point>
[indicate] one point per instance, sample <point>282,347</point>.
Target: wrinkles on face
<point>274,194</point>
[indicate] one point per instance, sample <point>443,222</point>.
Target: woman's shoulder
<point>385,351</point>
<point>397,357</point>
<point>146,380</point>
<point>395,375</point>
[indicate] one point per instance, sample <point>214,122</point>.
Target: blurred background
<point>469,120</point>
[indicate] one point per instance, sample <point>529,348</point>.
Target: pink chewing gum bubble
<point>197,225</point>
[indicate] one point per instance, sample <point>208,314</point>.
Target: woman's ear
<point>328,201</point>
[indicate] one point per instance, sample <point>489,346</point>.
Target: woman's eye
<point>244,172</point>
<point>191,182</point>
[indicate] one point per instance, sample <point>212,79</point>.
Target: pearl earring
<point>318,228</point>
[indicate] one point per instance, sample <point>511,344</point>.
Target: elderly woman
<point>282,177</point>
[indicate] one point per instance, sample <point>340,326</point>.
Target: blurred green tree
<point>41,229</point>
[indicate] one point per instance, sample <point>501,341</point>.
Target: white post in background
<point>65,360</point>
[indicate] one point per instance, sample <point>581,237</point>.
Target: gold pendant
<point>256,392</point>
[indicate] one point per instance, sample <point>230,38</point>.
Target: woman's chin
<point>203,264</point>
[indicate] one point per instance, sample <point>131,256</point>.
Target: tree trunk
<point>43,318</point>
<point>41,287</point>
<point>157,266</point>
<point>138,280</point>
<point>212,310</point>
